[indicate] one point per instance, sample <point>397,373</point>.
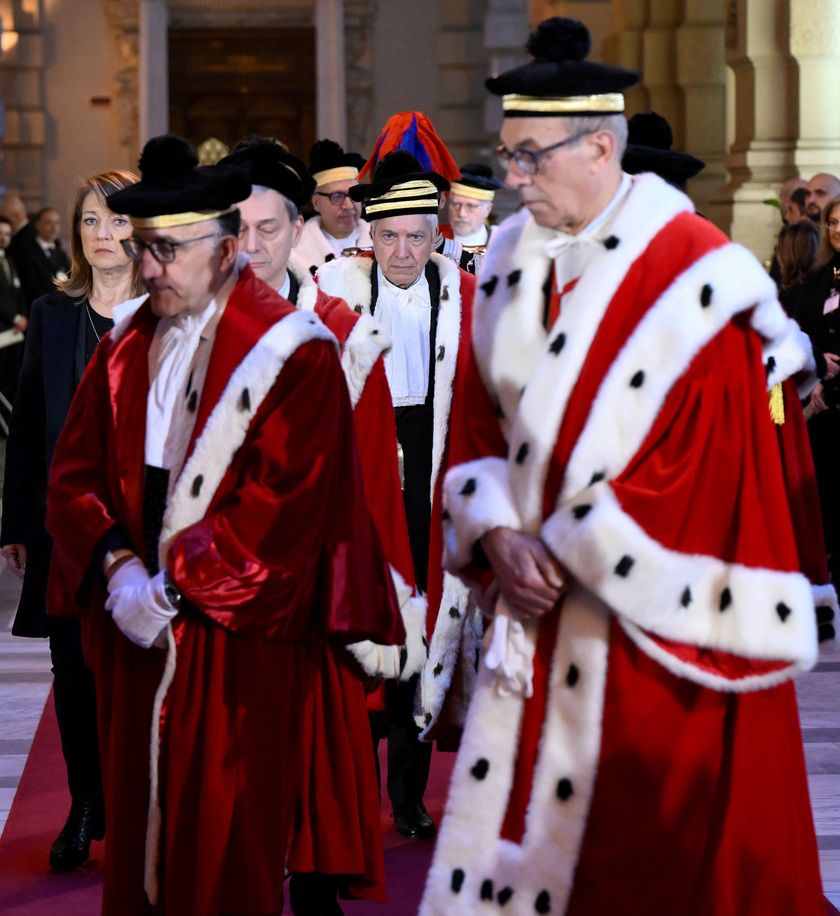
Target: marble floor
<point>25,682</point>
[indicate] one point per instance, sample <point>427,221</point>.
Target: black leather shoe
<point>313,894</point>
<point>413,822</point>
<point>71,848</point>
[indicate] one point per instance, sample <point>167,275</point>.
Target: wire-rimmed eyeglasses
<point>528,160</point>
<point>337,198</point>
<point>163,251</point>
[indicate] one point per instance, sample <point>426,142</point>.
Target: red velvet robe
<point>337,825</point>
<point>284,556</point>
<point>658,766</point>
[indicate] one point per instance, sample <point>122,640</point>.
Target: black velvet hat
<point>649,139</point>
<point>559,81</point>
<point>175,191</point>
<point>328,162</point>
<point>267,163</point>
<point>399,188</point>
<point>478,182</point>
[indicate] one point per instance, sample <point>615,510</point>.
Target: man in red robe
<point>228,520</point>
<point>337,842</point>
<point>633,743</point>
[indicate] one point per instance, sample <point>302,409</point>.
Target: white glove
<point>132,572</point>
<point>140,608</point>
<point>509,654</point>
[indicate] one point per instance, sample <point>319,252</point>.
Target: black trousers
<point>408,758</point>
<point>75,709</point>
<point>415,428</point>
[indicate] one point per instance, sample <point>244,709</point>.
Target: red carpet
<point>29,888</point>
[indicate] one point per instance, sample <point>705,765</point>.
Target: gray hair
<point>431,219</point>
<point>616,124</point>
<point>291,208</point>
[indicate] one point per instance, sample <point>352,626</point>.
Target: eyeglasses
<point>528,160</point>
<point>337,198</point>
<point>163,251</point>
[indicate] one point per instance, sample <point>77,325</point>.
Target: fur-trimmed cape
<point>595,414</point>
<point>453,630</point>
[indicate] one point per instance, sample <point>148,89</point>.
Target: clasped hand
<point>137,602</point>
<point>529,578</point>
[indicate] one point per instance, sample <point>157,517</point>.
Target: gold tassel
<point>777,404</point>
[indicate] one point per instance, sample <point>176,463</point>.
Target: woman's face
<point>101,230</point>
<point>834,227</point>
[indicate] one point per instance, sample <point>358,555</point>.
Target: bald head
<point>821,188</point>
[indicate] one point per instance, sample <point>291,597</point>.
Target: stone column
<point>701,76</point>
<point>22,69</point>
<point>329,70</point>
<point>814,44</point>
<point>761,155</point>
<point>153,82</point>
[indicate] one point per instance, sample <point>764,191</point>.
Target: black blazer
<point>34,268</point>
<point>53,364</point>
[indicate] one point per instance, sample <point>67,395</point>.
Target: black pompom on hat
<point>328,162</point>
<point>559,81</point>
<point>268,163</point>
<point>174,190</point>
<point>649,140</point>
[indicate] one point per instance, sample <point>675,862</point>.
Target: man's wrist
<point>114,559</point>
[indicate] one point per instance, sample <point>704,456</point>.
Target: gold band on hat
<point>171,220</point>
<point>484,194</point>
<point>604,103</point>
<point>342,173</point>
<point>408,195</point>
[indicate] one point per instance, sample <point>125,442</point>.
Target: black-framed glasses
<point>337,198</point>
<point>163,251</point>
<point>528,160</point>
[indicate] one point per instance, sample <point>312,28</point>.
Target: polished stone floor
<point>25,682</point>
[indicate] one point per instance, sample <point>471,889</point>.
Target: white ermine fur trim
<point>228,424</point>
<point>513,349</point>
<point>154,820</point>
<point>704,677</point>
<point>688,598</point>
<point>674,330</point>
<point>349,279</point>
<point>447,339</point>
<point>364,345</point>
<point>469,850</point>
<point>826,596</point>
<point>478,493</point>
<point>456,638</point>
<point>397,662</point>
<point>789,354</point>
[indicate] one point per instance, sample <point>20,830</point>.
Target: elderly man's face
<point>187,285</point>
<point>467,215</point>
<point>402,246</point>
<point>568,190</point>
<point>5,235</point>
<point>821,188</point>
<point>338,219</point>
<point>267,235</point>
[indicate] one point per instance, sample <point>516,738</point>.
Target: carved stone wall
<point>359,17</point>
<point>123,18</point>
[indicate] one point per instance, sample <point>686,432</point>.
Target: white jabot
<point>129,307</point>
<point>338,245</point>
<point>407,316</point>
<point>479,237</point>
<point>572,253</point>
<point>286,288</point>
